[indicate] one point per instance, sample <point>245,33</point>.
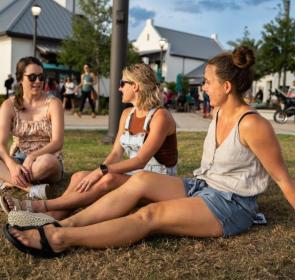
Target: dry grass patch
<point>265,252</point>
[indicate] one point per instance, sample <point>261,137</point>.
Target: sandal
<point>25,218</point>
<point>46,250</point>
<point>17,204</point>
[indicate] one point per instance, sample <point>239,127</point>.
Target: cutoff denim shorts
<point>19,156</point>
<point>235,213</point>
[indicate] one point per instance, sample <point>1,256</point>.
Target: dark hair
<point>19,74</point>
<point>235,67</point>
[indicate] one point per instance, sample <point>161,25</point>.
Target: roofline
<point>19,14</point>
<point>29,36</point>
<point>186,56</point>
<point>192,34</point>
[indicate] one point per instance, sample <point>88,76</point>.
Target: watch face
<point>103,168</point>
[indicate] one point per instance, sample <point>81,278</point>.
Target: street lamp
<point>36,11</point>
<point>162,43</point>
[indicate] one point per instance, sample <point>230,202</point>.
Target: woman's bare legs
<point>70,200</point>
<point>45,168</point>
<point>143,185</point>
<point>183,217</point>
<point>5,176</point>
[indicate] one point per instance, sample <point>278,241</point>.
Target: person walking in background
<point>206,105</point>
<point>147,134</point>
<point>87,81</point>
<point>36,122</point>
<point>69,93</point>
<point>259,96</point>
<point>8,84</point>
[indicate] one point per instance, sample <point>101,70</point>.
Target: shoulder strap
<point>149,118</point>
<point>245,114</point>
<point>11,99</point>
<point>128,119</point>
<point>47,102</point>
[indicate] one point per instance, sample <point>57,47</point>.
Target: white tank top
<point>231,167</point>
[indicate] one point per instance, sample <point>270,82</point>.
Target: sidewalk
<point>184,122</point>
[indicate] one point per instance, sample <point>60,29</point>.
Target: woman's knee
<point>76,178</point>
<point>140,181</point>
<point>46,164</point>
<point>79,175</point>
<point>148,215</point>
<point>107,181</point>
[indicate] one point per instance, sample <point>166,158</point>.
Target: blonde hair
<point>149,94</point>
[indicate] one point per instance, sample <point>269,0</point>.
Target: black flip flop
<point>46,250</point>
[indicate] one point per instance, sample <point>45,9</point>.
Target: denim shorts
<point>19,157</point>
<point>235,213</point>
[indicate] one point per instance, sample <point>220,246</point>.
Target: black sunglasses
<point>123,82</point>
<point>33,77</point>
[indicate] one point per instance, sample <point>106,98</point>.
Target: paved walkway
<point>184,122</point>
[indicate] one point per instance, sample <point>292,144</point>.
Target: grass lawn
<point>265,252</point>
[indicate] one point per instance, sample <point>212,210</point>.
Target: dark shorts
<point>69,96</point>
<point>235,213</point>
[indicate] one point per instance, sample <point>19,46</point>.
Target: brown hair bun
<point>243,57</point>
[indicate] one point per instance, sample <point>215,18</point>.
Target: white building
<point>271,82</point>
<point>179,52</point>
<point>16,33</point>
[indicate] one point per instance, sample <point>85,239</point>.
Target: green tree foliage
<point>278,46</point>
<point>246,40</point>
<point>90,41</point>
<point>133,55</point>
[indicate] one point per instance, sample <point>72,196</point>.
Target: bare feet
<point>31,238</point>
<point>30,205</point>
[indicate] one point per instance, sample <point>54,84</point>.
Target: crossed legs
<point>45,168</point>
<point>104,224</point>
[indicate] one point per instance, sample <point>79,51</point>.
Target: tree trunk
<point>284,78</point>
<point>279,79</point>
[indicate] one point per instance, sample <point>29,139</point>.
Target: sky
<point>226,18</point>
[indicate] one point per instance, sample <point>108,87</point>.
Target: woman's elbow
<point>58,144</point>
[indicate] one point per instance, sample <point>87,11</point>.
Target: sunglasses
<point>33,77</point>
<point>123,82</point>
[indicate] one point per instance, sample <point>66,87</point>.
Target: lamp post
<point>162,43</point>
<point>36,11</point>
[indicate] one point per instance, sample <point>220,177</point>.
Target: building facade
<point>173,52</point>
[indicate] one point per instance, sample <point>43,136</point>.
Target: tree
<point>278,46</point>
<point>246,40</point>
<point>90,40</point>
<point>133,55</point>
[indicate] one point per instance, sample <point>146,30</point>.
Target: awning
<point>46,48</point>
<point>61,67</point>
